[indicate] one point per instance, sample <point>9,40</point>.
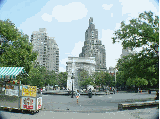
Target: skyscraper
<point>47,48</point>
<point>93,47</point>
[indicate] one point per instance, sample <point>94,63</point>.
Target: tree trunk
<point>136,89</point>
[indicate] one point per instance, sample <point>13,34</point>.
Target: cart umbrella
<point>10,72</point>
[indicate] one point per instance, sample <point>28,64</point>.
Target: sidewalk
<point>148,113</point>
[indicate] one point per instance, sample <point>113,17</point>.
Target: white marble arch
<point>76,64</point>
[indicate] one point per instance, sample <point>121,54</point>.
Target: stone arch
<point>77,64</point>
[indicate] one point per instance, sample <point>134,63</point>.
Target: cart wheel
<point>10,109</point>
<point>22,111</point>
<point>37,111</point>
<point>32,112</point>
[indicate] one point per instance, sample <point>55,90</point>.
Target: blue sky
<point>67,21</point>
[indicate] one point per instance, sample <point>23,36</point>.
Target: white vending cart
<point>14,95</point>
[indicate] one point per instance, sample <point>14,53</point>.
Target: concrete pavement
<point>104,106</point>
<point>148,113</point>
<point>96,104</point>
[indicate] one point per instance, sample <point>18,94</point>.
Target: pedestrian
<point>114,90</point>
<point>90,90</point>
<point>41,91</point>
<point>138,90</point>
<point>77,95</point>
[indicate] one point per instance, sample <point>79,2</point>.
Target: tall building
<point>93,47</point>
<point>47,48</point>
<point>126,52</point>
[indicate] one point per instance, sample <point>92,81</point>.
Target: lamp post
<point>115,76</point>
<point>72,85</point>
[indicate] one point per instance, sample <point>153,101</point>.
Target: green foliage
<point>62,79</point>
<point>140,68</point>
<point>139,31</point>
<point>120,79</point>
<point>103,79</point>
<point>85,79</point>
<point>137,81</point>
<point>17,51</point>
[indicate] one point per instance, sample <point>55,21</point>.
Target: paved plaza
<point>96,104</point>
<point>102,106</point>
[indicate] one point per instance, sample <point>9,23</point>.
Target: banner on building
<point>29,90</point>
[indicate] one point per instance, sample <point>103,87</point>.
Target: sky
<point>68,20</point>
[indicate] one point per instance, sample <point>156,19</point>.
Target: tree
<point>140,67</point>
<point>103,79</point>
<point>15,50</point>
<point>108,79</point>
<point>62,79</point>
<point>85,79</point>
<point>120,79</point>
<point>36,76</point>
<point>139,32</point>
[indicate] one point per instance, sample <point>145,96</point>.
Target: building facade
<point>93,47</point>
<point>47,48</point>
<point>126,52</point>
<point>75,65</point>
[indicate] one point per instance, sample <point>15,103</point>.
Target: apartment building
<point>47,48</point>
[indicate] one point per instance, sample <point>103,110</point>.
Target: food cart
<point>14,95</point>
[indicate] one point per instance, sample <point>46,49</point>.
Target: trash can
<point>90,94</point>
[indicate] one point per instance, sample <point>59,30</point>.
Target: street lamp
<point>72,85</point>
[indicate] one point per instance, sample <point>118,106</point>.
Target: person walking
<point>77,95</point>
<point>41,91</point>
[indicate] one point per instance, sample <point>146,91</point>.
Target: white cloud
<point>113,51</point>
<point>77,49</point>
<point>75,53</point>
<point>61,69</point>
<point>134,7</point>
<point>111,14</point>
<point>118,25</point>
<point>67,13</point>
<point>47,17</point>
<point>107,7</point>
<point>63,61</point>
